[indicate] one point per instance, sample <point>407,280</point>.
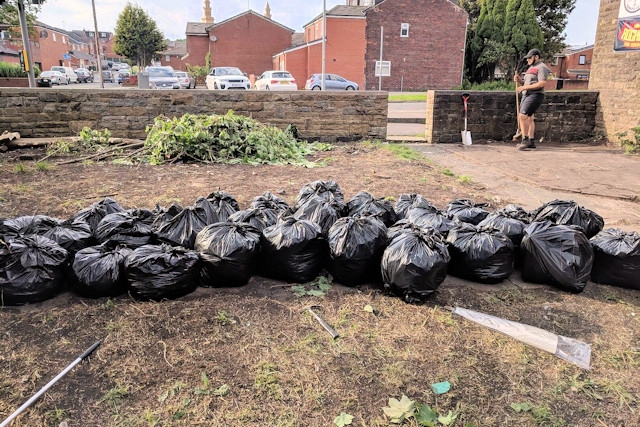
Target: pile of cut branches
<point>227,138</point>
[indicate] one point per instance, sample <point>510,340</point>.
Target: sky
<point>172,15</point>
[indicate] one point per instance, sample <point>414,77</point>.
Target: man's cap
<point>532,52</point>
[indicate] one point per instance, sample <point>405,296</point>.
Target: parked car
<point>121,75</point>
<point>84,75</point>
<point>50,78</point>
<point>107,76</point>
<point>186,80</point>
<point>225,78</point>
<point>331,82</point>
<point>162,78</point>
<point>72,77</point>
<point>276,80</point>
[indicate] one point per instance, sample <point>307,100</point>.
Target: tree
<point>137,36</point>
<point>9,16</point>
<point>489,44</point>
<point>552,17</point>
<point>521,32</point>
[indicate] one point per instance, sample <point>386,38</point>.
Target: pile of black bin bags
<point>407,248</point>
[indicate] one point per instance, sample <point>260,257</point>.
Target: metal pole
<point>26,43</point>
<point>380,71</point>
<point>50,383</point>
<point>324,38</point>
<point>464,51</point>
<point>95,39</point>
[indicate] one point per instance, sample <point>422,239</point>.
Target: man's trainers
<point>526,144</point>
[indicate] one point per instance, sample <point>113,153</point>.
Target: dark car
<point>84,75</point>
<point>107,76</point>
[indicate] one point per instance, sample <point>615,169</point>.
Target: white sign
<point>383,68</point>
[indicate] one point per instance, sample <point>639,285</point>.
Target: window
<point>54,36</point>
<point>404,30</point>
<point>555,60</point>
<point>582,60</point>
<point>64,41</point>
<point>383,68</point>
<point>167,58</point>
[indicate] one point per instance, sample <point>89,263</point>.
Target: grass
<point>408,97</point>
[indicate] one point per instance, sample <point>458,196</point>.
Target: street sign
<point>66,56</point>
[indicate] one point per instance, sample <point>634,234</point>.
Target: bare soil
<point>252,356</point>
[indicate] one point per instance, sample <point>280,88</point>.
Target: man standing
<point>532,90</point>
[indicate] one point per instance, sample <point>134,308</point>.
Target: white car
<point>162,78</point>
<point>225,78</point>
<point>50,78</point>
<point>276,80</point>
<point>72,77</point>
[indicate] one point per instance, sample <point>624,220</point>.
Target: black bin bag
<point>269,201</point>
<point>480,254</point>
<point>414,263</point>
<point>467,211</point>
<point>355,249</point>
<point>133,228</point>
<point>11,228</point>
<point>98,271</point>
<point>411,200</point>
<point>32,269</point>
<point>511,220</point>
<point>73,234</point>
<point>430,218</point>
<point>156,272</point>
<point>293,250</point>
<point>322,212</point>
<point>616,258</point>
<point>568,212</point>
<point>228,252</point>
<point>182,228</point>
<point>557,255</point>
<point>327,190</point>
<point>365,204</point>
<point>218,206</point>
<point>94,213</point>
<point>260,218</point>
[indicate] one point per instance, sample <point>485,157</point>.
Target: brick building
<point>571,67</point>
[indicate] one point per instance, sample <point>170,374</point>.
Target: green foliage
<point>521,31</point>
<point>200,73</point>
<point>630,146</point>
<point>207,61</point>
<point>13,70</point>
<point>226,138</point>
<point>92,138</point>
<point>408,97</point>
<point>317,288</point>
<point>343,419</point>
<point>19,168</point>
<point>9,16</point>
<point>521,407</point>
<point>503,85</point>
<point>137,36</point>
<point>400,410</point>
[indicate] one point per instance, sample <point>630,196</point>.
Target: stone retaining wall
<point>564,116</point>
<point>324,116</point>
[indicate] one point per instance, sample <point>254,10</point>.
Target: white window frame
<point>404,29</point>
<point>167,58</point>
<point>53,35</point>
<point>383,68</point>
<point>582,59</point>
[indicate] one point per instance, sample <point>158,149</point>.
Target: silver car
<point>162,78</point>
<point>331,82</point>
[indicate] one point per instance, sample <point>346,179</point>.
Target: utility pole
<point>324,38</point>
<point>95,39</point>
<point>26,43</point>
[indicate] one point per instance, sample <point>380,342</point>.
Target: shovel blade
<point>466,137</point>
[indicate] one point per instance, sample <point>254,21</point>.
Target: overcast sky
<point>172,15</point>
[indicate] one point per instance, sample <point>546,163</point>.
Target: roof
<point>342,11</point>
<point>572,50</point>
<point>82,55</point>
<point>195,28</point>
<point>8,51</point>
<point>297,39</point>
<point>249,12</point>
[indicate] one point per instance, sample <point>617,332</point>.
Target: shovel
<point>466,135</point>
<point>518,133</point>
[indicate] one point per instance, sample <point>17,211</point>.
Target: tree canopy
<point>137,36</point>
<point>9,15</point>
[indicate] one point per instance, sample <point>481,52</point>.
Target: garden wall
<point>564,116</point>
<point>325,116</point>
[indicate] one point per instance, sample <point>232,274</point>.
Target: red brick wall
<point>248,42</point>
<point>296,63</point>
<point>572,62</point>
<point>345,49</point>
<point>50,52</point>
<point>430,58</point>
<point>174,61</point>
<point>197,46</point>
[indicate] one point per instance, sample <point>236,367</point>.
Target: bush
<point>630,146</point>
<point>13,70</point>
<point>492,85</point>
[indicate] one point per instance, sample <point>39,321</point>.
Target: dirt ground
<point>252,356</point>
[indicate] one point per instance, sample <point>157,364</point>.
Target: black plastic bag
<point>355,249</point>
<point>229,253</point>
<point>322,212</point>
<point>467,211</point>
<point>132,228</point>
<point>408,201</point>
<point>426,217</point>
<point>11,228</point>
<point>480,254</point>
<point>415,263</point>
<point>97,211</point>
<point>269,201</point>
<point>327,190</point>
<point>156,272</point>
<point>558,255</point>
<point>32,269</point>
<point>511,220</point>
<point>162,215</point>
<point>73,235</point>
<point>568,212</point>
<point>98,271</point>
<point>616,258</point>
<point>365,204</point>
<point>293,250</point>
<point>260,218</point>
<point>182,229</point>
<point>218,206</point>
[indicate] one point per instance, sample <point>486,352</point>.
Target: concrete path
<point>599,178</point>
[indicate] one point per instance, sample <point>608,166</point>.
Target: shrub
<point>628,145</point>
<point>492,85</point>
<point>13,70</point>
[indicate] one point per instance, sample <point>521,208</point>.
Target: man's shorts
<point>531,102</point>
